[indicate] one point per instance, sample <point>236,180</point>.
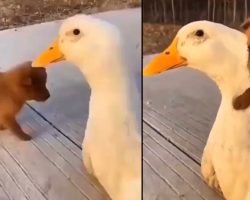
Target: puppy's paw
<point>2,127</point>
<point>25,137</point>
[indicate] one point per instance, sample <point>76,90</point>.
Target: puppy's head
<point>35,84</point>
<point>30,82</point>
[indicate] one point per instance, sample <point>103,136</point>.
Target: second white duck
<point>222,54</point>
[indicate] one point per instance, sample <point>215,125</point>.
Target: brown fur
<point>242,101</point>
<point>17,86</point>
<point>245,26</point>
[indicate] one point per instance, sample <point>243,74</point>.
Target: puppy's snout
<point>46,95</point>
<point>43,95</point>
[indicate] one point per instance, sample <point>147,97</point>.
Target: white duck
<point>222,54</point>
<point>112,143</point>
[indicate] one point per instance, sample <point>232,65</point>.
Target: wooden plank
<point>59,136</point>
<point>187,161</point>
<point>171,135</point>
<point>60,150</point>
<point>190,110</point>
<point>165,123</point>
<point>9,186</point>
<point>151,180</point>
<point>195,124</point>
<point>3,194</point>
<point>67,144</point>
<point>186,97</point>
<point>191,178</point>
<point>185,121</point>
<point>45,175</point>
<point>178,184</point>
<point>75,177</point>
<point>46,164</point>
<point>19,176</point>
<point>67,114</point>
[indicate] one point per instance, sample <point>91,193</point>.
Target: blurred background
<point>14,13</point>
<point>163,18</point>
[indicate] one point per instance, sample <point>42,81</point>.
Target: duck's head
<point>212,48</point>
<point>82,40</point>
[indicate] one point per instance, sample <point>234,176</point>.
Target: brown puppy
<point>242,101</point>
<point>246,28</point>
<point>21,84</point>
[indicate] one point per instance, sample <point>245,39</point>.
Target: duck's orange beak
<point>50,55</point>
<point>168,59</point>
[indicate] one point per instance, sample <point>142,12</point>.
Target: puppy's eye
<point>76,31</point>
<point>199,33</point>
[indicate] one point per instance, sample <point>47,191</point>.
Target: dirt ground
<point>15,13</point>
<point>156,37</point>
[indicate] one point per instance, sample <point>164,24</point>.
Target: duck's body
<point>112,144</point>
<point>111,147</point>
<point>111,150</point>
<point>226,158</point>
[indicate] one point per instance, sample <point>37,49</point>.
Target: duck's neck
<point>232,87</point>
<point>110,89</point>
<point>231,124</point>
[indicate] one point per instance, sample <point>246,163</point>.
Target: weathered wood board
<point>47,167</point>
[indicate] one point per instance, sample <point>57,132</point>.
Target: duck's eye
<point>199,33</point>
<point>76,31</point>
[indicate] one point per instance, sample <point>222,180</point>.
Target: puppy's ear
<point>20,71</point>
<point>26,64</point>
<point>245,25</point>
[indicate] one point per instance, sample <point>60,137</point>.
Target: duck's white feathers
<point>112,143</point>
<point>222,55</point>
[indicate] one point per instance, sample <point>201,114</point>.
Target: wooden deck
<point>179,108</point>
<point>50,166</point>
